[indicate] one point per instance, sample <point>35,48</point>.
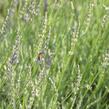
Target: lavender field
<point>54,54</point>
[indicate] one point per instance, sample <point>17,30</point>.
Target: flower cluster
<point>105,62</point>
<point>89,17</point>
<point>105,17</point>
<point>8,20</point>
<point>28,12</point>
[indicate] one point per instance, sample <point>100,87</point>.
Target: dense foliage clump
<point>54,54</point>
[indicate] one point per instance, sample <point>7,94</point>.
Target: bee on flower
<point>40,57</point>
<point>43,57</point>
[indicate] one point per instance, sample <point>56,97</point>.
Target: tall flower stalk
<point>8,20</point>
<point>11,73</point>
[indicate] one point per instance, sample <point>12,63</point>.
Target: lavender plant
<point>68,41</point>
